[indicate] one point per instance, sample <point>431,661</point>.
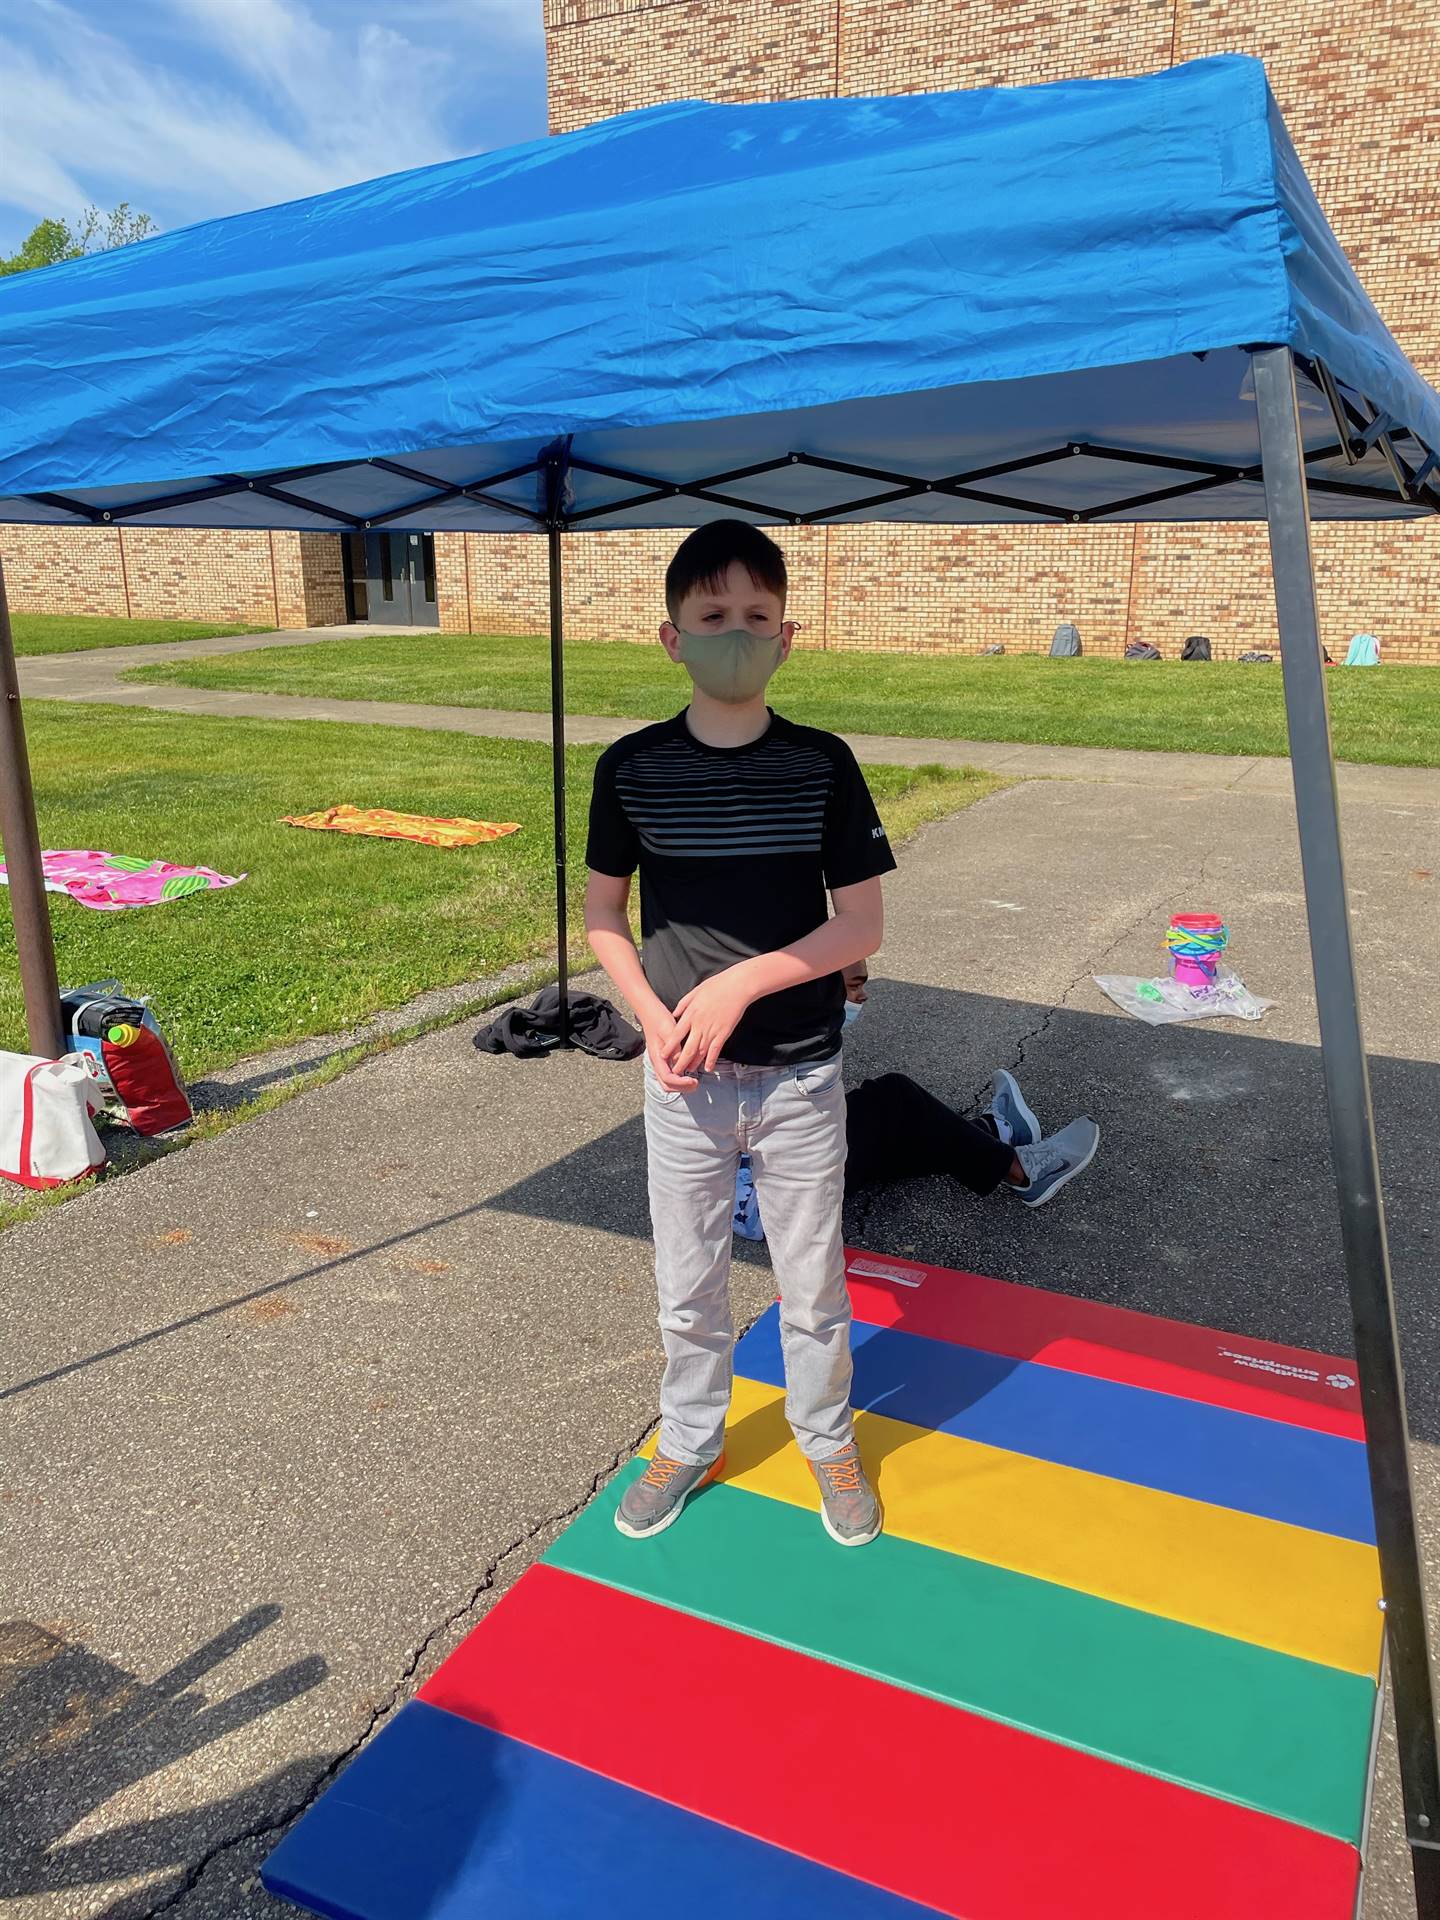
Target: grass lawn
<point>327,929</point>
<point>78,632</point>
<point>1388,716</point>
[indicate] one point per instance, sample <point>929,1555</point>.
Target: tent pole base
<point>1352,1121</point>
<point>28,904</point>
<point>555,479</point>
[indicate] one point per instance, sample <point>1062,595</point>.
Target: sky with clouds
<point>193,108</point>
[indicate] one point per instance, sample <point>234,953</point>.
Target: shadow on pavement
<point>1211,1199</point>
<point>79,1729</point>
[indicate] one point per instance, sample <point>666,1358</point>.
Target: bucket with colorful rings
<point>1195,942</point>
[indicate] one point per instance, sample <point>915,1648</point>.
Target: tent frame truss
<point>1356,435</point>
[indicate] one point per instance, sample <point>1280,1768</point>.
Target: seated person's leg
<point>897,1130</point>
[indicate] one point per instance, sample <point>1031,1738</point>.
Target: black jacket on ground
<point>595,1027</point>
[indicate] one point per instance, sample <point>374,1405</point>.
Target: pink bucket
<point>1193,973</point>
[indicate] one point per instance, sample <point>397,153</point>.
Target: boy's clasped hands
<point>691,1040</point>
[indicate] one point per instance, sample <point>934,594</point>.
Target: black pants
<point>896,1130</point>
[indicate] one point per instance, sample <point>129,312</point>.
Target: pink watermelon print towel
<point>111,881</point>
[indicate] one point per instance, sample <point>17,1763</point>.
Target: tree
<point>94,232</point>
<point>47,243</point>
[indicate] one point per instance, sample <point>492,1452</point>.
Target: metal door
<point>400,579</point>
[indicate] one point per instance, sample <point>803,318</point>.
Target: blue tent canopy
<point>1010,305</point>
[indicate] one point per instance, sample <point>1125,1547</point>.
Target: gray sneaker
<point>654,1501</point>
<point>1049,1164</point>
<point>847,1500</point>
<point>1010,1113</point>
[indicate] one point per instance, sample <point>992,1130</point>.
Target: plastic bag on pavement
<point>1164,1002</point>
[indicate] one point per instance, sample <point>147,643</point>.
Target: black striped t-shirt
<point>737,847</point>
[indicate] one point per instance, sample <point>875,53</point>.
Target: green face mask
<point>732,666</point>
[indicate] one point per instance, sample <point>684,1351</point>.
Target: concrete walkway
<point>286,1412</point>
<point>96,678</point>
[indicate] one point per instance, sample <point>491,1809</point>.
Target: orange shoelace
<point>660,1472</point>
<point>843,1475</point>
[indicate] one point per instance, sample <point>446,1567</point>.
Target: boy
<point>739,823</point>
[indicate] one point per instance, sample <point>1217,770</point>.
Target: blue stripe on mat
<point>1228,1459</point>
<point>440,1819</point>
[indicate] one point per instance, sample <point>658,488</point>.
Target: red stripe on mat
<point>968,1816</point>
<point>1316,1390</point>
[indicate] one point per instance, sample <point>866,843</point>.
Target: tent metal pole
<point>555,478</point>
<point>1352,1122</point>
<point>21,838</point>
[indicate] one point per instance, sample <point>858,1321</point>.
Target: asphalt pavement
<point>285,1412</point>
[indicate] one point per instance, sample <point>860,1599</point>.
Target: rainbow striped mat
<point>1115,1654</point>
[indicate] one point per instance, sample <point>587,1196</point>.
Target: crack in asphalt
<point>275,1822</point>
<point>1086,972</point>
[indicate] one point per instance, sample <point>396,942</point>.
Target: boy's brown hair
<point>703,560</point>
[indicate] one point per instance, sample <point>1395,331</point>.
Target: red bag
<point>143,1073</point>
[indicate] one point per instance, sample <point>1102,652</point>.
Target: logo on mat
<point>1286,1369</point>
<point>1260,1363</point>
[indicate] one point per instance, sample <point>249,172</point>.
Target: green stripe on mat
<point>1279,1734</point>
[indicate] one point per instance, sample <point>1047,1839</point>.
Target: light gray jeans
<point>791,1121</point>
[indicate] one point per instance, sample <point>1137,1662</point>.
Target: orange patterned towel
<point>380,824</point>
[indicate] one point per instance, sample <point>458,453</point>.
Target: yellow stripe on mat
<point>1308,1594</point>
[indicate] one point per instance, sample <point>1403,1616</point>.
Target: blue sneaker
<point>1050,1164</point>
<point>746,1218</point>
<point>1015,1123</point>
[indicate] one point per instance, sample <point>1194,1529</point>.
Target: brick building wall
<point>322,576</point>
<point>64,570</point>
<point>1359,83</point>
<point>163,573</point>
<point>613,583</point>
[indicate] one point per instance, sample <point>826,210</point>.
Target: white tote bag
<point>46,1135</point>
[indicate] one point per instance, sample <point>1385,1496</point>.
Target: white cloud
<point>205,107</point>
